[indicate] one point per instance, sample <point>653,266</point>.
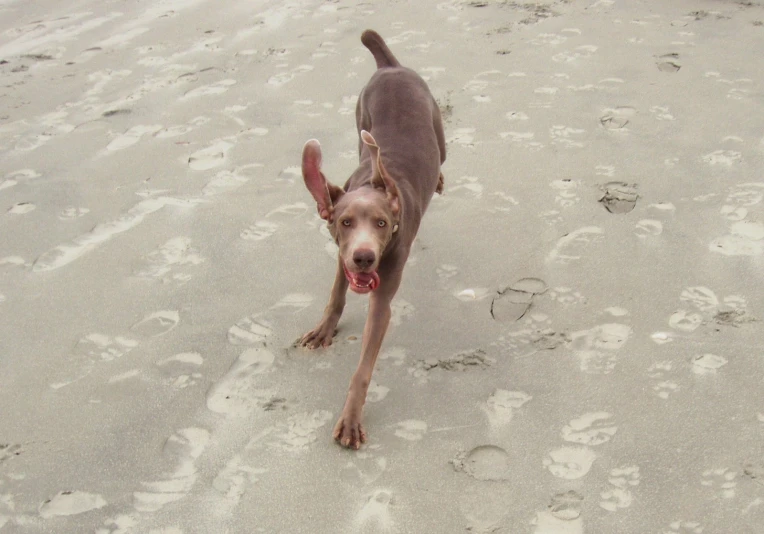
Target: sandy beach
<point>577,345</point>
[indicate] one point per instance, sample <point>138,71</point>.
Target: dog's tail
<point>378,49</point>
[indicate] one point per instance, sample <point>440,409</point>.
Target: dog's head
<point>362,221</point>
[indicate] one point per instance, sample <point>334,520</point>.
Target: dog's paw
<point>321,336</point>
<point>348,431</point>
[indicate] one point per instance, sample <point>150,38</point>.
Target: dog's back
<point>396,106</point>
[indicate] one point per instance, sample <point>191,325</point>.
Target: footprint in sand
<point>617,118</point>
<point>182,129</point>
<point>211,156</point>
<point>216,88</point>
<point>662,113</point>
<point>446,271</point>
<point>104,348</point>
<point>95,348</point>
<point>411,429</point>
<point>400,309</point>
<point>375,513</point>
<point>364,466</point>
<point>566,296</point>
<point>68,252</point>
<point>512,303</point>
<point>257,328</point>
<point>619,496</point>
<point>619,197</point>
<point>32,142</point>
<point>484,506</point>
<point>234,480</point>
<point>157,323</point>
<point>182,449</point>
<point>704,364</point>
<point>132,136</point>
<point>467,186</point>
<point>396,355</point>
<point>21,208</point>
<point>648,228</point>
<point>593,428</point>
<point>566,192</point>
<point>227,181</point>
<point>72,212</point>
<point>578,53</point>
<point>703,298</point>
<point>235,394</point>
<point>168,261</point>
<point>668,62</point>
<point>725,158</point>
<point>566,136</point>
<point>563,515</point>
<point>250,330</point>
<point>277,80</point>
<point>181,370</point>
<point>507,203</point>
<point>120,524</point>
<point>463,136</point>
<point>300,430</point>
<point>685,321</point>
<point>569,463</point>
<point>683,527</point>
<point>259,231</point>
<point>485,462</point>
<point>7,183</point>
<point>562,252</point>
<point>745,239</point>
<point>662,386</point>
<point>597,348</point>
<point>522,139</point>
<point>501,406</point>
<point>66,503</point>
<point>722,480</point>
<point>471,359</point>
<point>376,392</point>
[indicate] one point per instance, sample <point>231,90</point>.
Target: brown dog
<point>375,218</point>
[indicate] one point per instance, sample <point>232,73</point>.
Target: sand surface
<point>577,343</point>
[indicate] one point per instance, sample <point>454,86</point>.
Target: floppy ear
<point>325,193</point>
<point>380,177</point>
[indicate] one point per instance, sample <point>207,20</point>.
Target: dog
<point>374,218</point>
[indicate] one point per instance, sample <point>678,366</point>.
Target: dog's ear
<point>380,177</point>
<point>325,193</point>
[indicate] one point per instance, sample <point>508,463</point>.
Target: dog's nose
<point>363,258</point>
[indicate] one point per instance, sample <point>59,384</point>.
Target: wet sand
<point>577,343</point>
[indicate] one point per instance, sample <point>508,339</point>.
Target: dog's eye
<point>381,223</point>
<point>345,222</point>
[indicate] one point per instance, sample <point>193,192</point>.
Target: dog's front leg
<point>349,431</point>
<point>322,334</point>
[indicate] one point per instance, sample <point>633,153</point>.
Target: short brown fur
<point>376,216</point>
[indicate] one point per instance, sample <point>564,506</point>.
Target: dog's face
<point>363,224</point>
<point>362,221</point>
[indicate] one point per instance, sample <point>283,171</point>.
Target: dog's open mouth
<point>362,282</point>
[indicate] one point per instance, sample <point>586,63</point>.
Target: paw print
<point>184,381</point>
<point>259,231</point>
<point>551,217</point>
<point>566,295</point>
<point>683,527</point>
<point>446,271</point>
<point>619,496</point>
<point>566,192</point>
<point>722,479</point>
<point>662,388</point>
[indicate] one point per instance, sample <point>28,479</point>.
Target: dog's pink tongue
<point>367,279</point>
